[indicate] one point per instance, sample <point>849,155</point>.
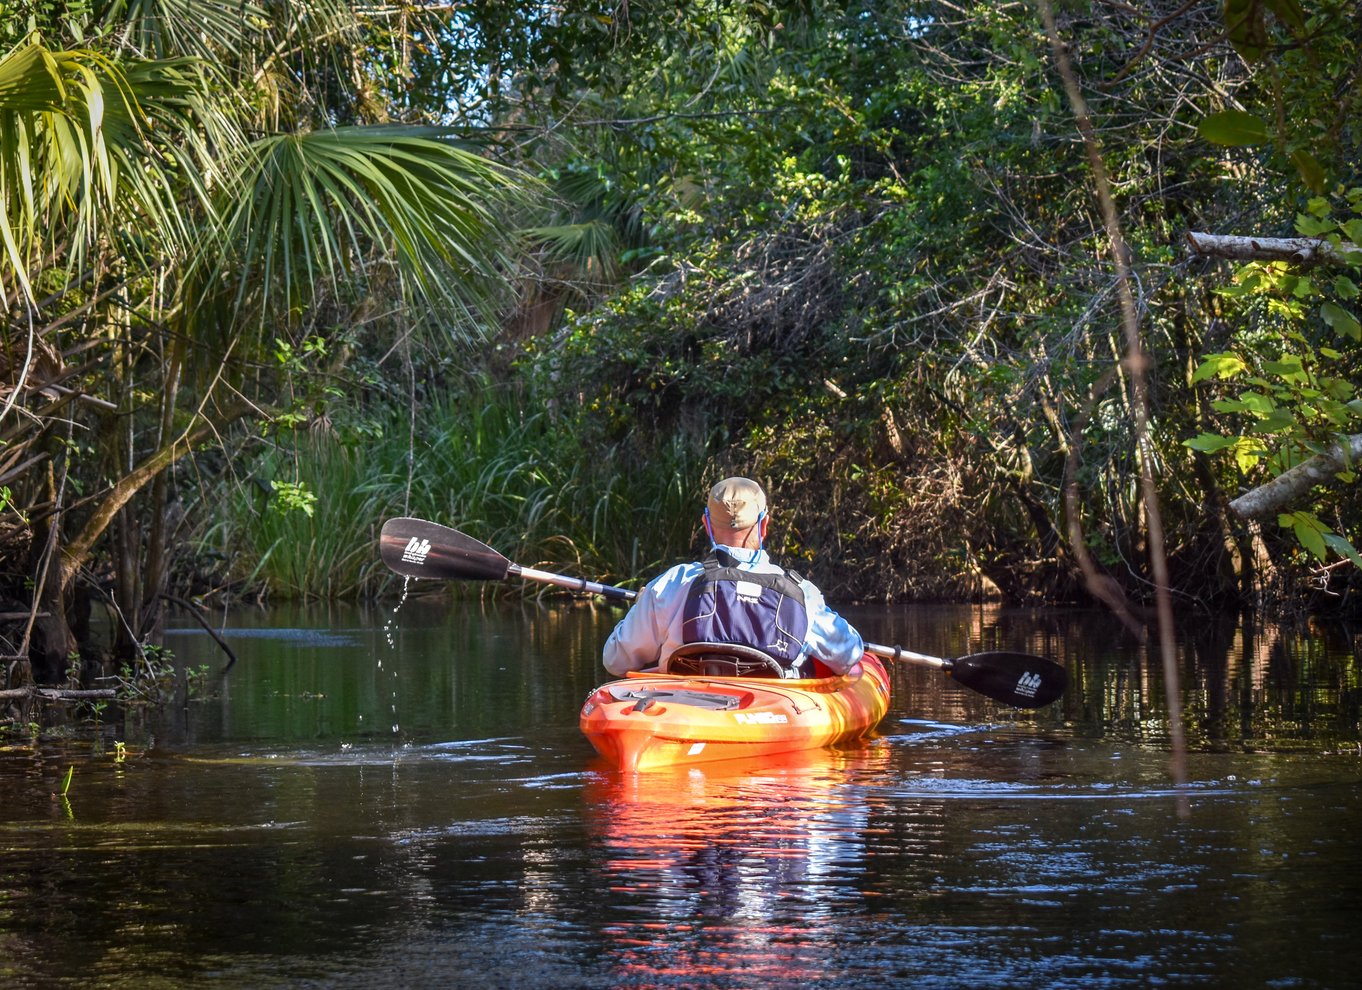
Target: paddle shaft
<point>896,653</point>
<point>422,549</point>
<point>1018,679</point>
<point>576,584</point>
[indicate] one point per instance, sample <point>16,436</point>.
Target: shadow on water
<point>364,802</point>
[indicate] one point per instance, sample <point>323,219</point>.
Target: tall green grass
<point>518,479</point>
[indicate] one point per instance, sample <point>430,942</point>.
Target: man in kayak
<point>734,596</point>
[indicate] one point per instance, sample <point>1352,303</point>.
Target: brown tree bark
<point>50,639</point>
<point>53,640</point>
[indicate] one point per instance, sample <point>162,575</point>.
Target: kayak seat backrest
<point>721,660</point>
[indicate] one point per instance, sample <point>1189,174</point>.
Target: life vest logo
<point>1027,685</point>
<point>747,591</point>
<point>761,718</point>
<point>416,550</point>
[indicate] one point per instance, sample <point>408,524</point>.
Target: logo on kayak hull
<point>416,550</point>
<point>761,718</point>
<point>1027,685</point>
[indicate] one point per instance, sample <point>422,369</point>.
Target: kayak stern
<point>649,720</point>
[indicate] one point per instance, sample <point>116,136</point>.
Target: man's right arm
<point>630,646</point>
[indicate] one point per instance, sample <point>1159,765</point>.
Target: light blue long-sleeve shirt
<point>651,629</point>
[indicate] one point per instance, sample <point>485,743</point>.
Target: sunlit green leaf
<point>1275,421</point>
<point>1288,367</point>
<point>1219,365</point>
<point>1309,226</point>
<point>1312,539</point>
<point>1233,128</point>
<point>1308,530</point>
<point>1256,403</point>
<point>293,496</point>
<point>1247,454</point>
<point>1209,443</point>
<point>1319,206</point>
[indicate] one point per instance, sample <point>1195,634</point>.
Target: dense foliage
<point>198,199</point>
<point>853,249</point>
<point>881,282</point>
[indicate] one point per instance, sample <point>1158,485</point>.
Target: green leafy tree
<point>1290,418</point>
<point>176,197</point>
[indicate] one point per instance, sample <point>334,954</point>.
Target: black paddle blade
<point>417,548</point>
<point>1018,679</point>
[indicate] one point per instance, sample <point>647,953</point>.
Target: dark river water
<point>378,799</point>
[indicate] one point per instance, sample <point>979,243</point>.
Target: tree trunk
<point>160,529</point>
<point>52,640</point>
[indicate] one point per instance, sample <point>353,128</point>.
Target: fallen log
<point>57,694</point>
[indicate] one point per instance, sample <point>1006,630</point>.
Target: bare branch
<point>1302,251</point>
<point>1284,489</point>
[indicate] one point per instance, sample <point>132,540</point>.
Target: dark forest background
<point>275,271</point>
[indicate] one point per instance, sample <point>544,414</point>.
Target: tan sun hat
<point>736,503</point>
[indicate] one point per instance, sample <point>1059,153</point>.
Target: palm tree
<point>175,199</point>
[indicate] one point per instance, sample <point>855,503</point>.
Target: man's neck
<point>746,555</point>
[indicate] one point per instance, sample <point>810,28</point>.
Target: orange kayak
<point>649,720</point>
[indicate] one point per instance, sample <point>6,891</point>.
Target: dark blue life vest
<point>727,604</point>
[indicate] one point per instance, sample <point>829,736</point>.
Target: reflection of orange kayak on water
<point>671,799</point>
<point>733,873</point>
<point>768,808</point>
<point>651,720</point>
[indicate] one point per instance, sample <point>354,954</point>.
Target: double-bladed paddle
<point>422,549</point>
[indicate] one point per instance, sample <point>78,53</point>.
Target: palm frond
<point>88,147</point>
<point>590,247</point>
<point>55,167</point>
<point>326,205</point>
<point>205,29</point>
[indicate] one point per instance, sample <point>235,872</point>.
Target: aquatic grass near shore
<point>517,480</point>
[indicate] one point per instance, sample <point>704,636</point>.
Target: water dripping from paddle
<point>390,634</point>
